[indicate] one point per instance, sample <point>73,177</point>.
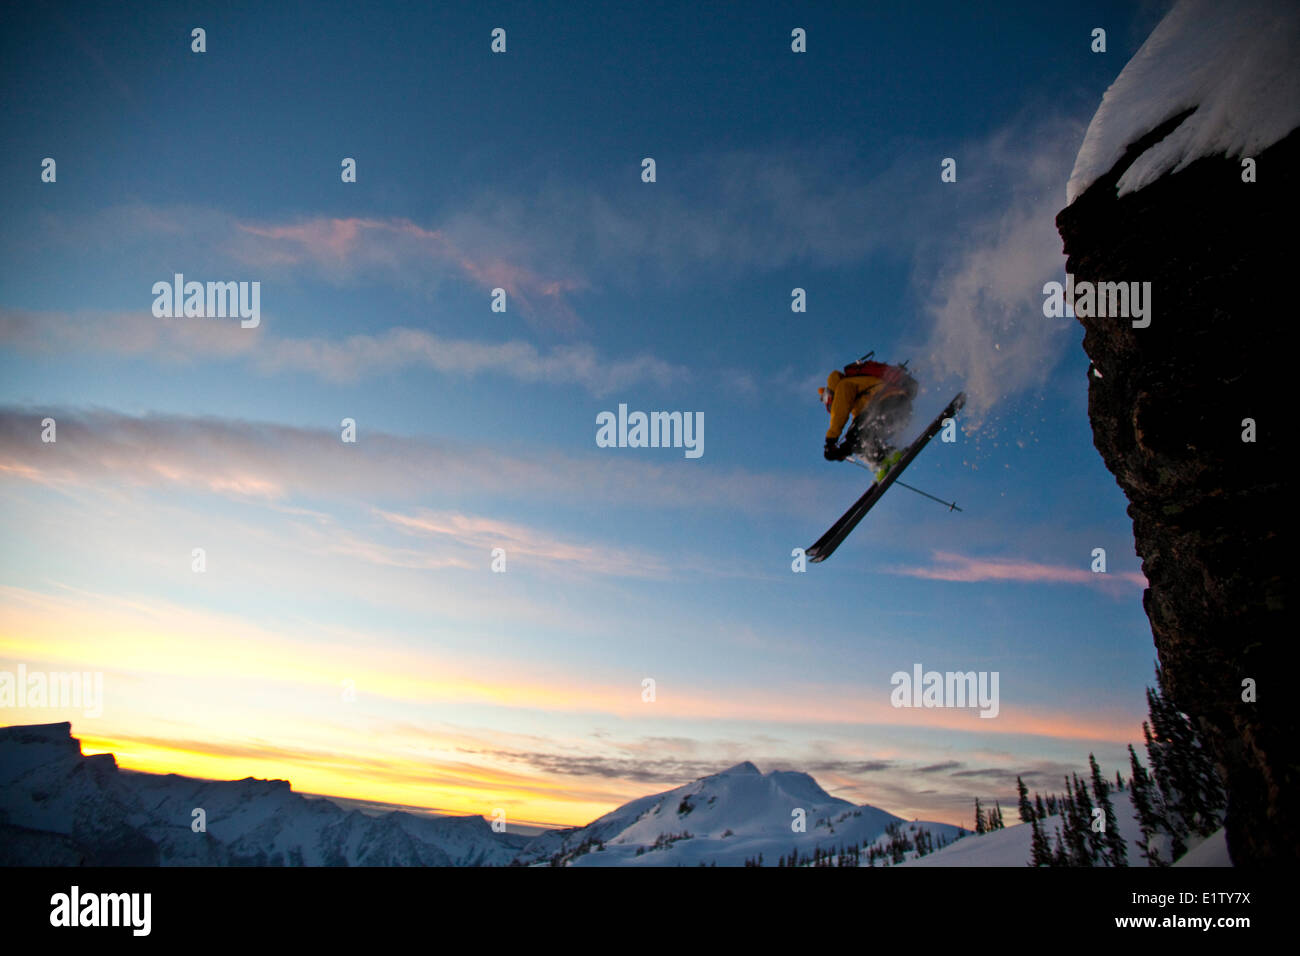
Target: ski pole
<point>952,505</point>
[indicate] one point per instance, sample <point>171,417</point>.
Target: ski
<point>835,535</point>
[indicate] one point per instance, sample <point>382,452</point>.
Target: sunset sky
<point>367,565</point>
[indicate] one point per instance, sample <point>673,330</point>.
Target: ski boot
<point>887,462</point>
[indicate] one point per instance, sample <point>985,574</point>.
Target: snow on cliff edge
<point>1237,63</point>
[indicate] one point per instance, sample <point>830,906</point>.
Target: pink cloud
<point>957,567</point>
<point>320,237</point>
<point>400,243</point>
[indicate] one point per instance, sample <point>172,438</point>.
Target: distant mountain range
<point>60,808</point>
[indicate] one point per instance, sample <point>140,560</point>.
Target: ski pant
<point>852,394</point>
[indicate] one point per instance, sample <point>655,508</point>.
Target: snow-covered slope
<point>1234,63</point>
<point>725,818</point>
<point>1212,851</point>
<point>1012,846</point>
<point>72,808</point>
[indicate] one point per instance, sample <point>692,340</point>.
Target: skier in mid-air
<point>879,397</point>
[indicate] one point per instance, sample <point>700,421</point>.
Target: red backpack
<point>874,369</point>
<point>889,375</point>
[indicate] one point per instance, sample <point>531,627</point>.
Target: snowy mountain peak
<point>727,818</point>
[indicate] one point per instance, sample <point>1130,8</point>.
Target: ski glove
<point>832,452</point>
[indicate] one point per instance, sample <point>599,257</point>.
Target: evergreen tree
<point>1182,795</point>
<point>1096,837</point>
<point>1065,809</point>
<point>1041,852</point>
<point>1059,856</point>
<point>1040,811</point>
<point>1165,774</point>
<point>980,827</point>
<point>1116,852</point>
<point>1188,780</point>
<point>1142,792</point>
<point>1026,808</point>
<point>1078,818</point>
<point>1119,782</point>
<point>997,813</point>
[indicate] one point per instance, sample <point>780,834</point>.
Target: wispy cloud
<point>358,245</point>
<point>481,533</point>
<point>341,360</point>
<point>387,251</point>
<point>363,356</point>
<point>723,213</point>
<point>278,462</point>
<point>957,567</point>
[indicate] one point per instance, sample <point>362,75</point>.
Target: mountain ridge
<point>63,807</point>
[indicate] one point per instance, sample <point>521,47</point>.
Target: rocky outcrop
<point>1168,405</point>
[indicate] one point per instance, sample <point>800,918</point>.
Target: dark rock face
<point>1208,509</point>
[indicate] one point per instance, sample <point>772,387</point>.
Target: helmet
<point>825,395</point>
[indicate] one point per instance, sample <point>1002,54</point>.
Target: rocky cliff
<point>1169,405</point>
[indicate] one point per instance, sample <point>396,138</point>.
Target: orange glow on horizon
<point>158,655</point>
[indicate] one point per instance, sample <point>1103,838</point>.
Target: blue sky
<point>476,428</point>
